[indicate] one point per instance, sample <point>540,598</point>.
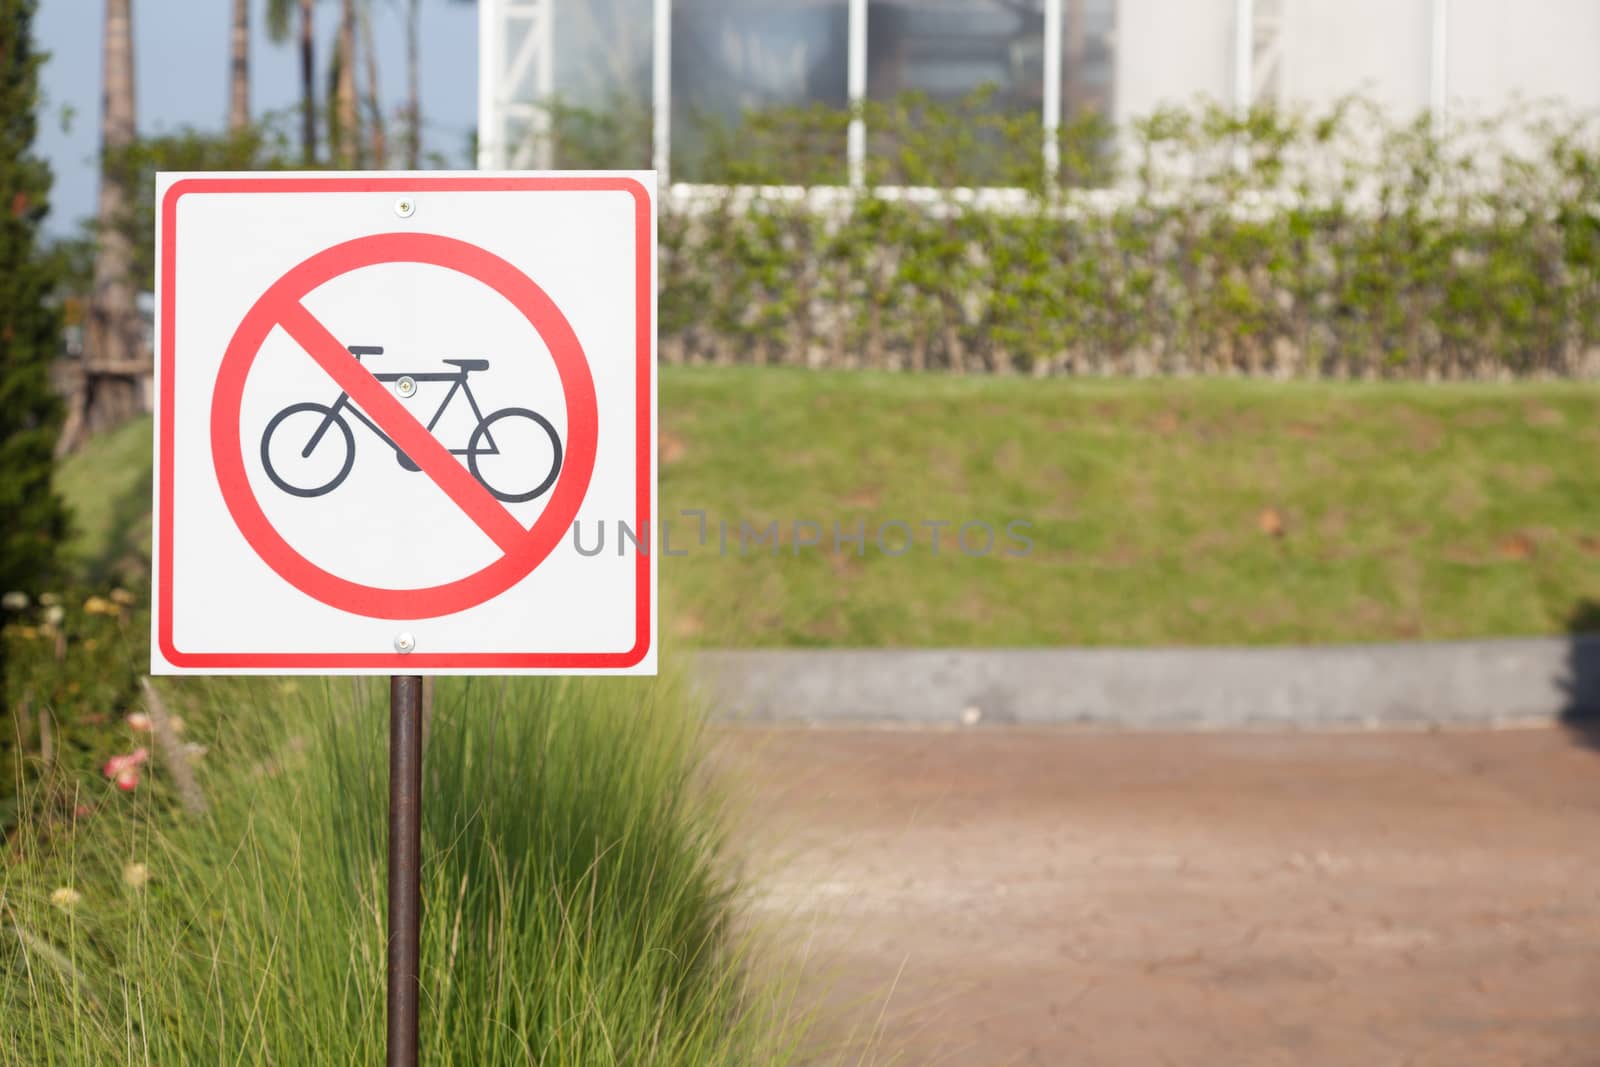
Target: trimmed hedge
<point>1277,243</point>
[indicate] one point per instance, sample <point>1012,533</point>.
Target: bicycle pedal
<point>405,461</point>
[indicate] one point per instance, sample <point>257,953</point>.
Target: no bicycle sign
<point>383,404</point>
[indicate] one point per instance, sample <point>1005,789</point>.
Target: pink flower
<point>116,766</point>
<point>127,779</point>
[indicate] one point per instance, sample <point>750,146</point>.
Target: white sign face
<point>395,414</point>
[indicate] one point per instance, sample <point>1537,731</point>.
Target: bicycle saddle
<point>468,364</point>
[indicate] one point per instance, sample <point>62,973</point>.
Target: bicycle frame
<point>459,383</point>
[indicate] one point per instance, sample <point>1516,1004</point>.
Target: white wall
<point>1378,49</point>
<point>1169,52</point>
<point>1172,51</point>
<point>1500,49</point>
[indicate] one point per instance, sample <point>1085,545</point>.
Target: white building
<point>673,59</point>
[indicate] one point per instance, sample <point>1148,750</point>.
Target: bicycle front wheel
<point>522,449</point>
<point>308,449</point>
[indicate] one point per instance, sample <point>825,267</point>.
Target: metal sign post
<point>405,853</point>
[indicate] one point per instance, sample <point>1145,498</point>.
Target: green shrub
<point>74,664</point>
<point>1282,242</point>
<point>32,517</point>
<point>262,146</point>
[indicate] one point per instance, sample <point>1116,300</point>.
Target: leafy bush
<point>77,652</point>
<point>1277,242</point>
<point>32,516</point>
<point>263,146</point>
<point>74,664</point>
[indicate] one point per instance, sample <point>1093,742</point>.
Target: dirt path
<point>1031,897</point>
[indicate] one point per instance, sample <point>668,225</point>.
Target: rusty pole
<point>405,856</point>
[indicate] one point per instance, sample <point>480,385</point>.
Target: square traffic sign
<point>394,412</point>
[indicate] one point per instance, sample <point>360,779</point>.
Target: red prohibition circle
<point>522,552</point>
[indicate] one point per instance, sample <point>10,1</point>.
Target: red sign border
<point>393,661</point>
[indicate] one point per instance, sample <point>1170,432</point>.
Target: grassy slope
<point>1408,511</point>
<point>108,486</point>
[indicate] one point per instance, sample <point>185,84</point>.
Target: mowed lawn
<point>1157,512</point>
<point>1162,512</point>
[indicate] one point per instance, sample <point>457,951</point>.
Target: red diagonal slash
<point>420,446</point>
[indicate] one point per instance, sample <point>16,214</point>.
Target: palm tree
<point>116,360</point>
<point>413,88</point>
<point>278,29</point>
<point>239,68</point>
<point>380,140</point>
<point>344,134</point>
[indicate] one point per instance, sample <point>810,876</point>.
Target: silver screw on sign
<point>405,207</point>
<point>405,385</point>
<point>404,642</point>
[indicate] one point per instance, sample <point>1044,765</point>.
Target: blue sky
<point>181,64</point>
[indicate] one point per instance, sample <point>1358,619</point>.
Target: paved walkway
<point>1016,896</point>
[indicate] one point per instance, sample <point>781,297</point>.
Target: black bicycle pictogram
<point>479,445</point>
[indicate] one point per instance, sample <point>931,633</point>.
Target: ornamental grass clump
<point>576,904</point>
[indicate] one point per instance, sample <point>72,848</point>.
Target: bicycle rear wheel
<point>287,443</point>
<point>520,431</point>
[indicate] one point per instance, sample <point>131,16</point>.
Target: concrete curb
<point>1463,683</point>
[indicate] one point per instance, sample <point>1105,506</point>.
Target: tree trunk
<point>347,117</point>
<point>239,68</point>
<point>308,82</point>
<point>116,363</point>
<point>380,140</point>
<point>413,88</point>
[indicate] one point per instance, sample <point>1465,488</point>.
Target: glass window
<point>957,91</point>
<point>600,110</point>
<point>1088,41</point>
<point>1088,38</point>
<point>978,63</point>
<point>949,49</point>
<point>744,74</point>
